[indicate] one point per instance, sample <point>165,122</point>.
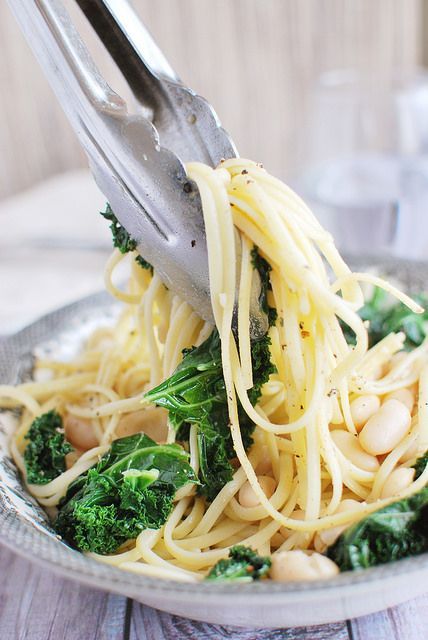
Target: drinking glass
<point>366,162</point>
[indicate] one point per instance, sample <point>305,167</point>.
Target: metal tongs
<point>137,160</point>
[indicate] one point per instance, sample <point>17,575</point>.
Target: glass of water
<point>366,162</point>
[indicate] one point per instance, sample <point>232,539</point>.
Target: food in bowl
<point>175,448</point>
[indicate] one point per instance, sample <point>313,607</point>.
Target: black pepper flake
<point>301,407</point>
<point>187,187</point>
<point>193,243</point>
<point>244,172</point>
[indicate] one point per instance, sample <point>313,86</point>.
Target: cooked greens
<point>121,238</point>
<point>129,490</point>
<point>264,268</point>
<point>44,455</point>
<point>242,565</point>
<point>420,465</point>
<point>396,531</point>
<point>385,318</point>
<point>196,394</point>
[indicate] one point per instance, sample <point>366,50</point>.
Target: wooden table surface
<point>35,604</point>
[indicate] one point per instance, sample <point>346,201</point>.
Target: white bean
<point>362,408</point>
<point>351,449</point>
<point>265,463</point>
<point>72,457</point>
<point>299,514</point>
<point>247,496</point>
<point>386,428</point>
<point>289,566</point>
<point>80,432</point>
<point>403,395</point>
<point>411,452</point>
<point>328,536</point>
<point>152,421</point>
<point>397,480</point>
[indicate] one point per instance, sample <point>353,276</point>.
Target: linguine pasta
<point>302,407</point>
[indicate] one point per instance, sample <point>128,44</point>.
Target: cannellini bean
<point>72,457</point>
<point>153,421</point>
<point>319,545</point>
<point>265,464</point>
<point>328,536</point>
<point>289,566</point>
<point>397,480</point>
<point>276,540</point>
<point>247,497</point>
<point>299,514</point>
<point>403,395</point>
<point>362,408</point>
<point>383,431</point>
<point>351,449</point>
<point>412,452</point>
<point>80,433</point>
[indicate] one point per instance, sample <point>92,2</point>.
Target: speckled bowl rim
<point>36,543</point>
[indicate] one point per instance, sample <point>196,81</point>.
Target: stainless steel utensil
<point>137,160</point>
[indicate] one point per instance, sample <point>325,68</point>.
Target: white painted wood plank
<point>149,624</point>
<point>37,605</point>
<point>408,621</point>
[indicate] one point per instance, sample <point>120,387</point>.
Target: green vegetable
<point>243,565</point>
<point>420,465</point>
<point>196,394</point>
<point>264,268</point>
<point>44,455</point>
<point>129,490</point>
<point>121,238</point>
<point>385,318</point>
<point>396,531</point>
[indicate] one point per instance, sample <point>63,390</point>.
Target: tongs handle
<point>127,40</point>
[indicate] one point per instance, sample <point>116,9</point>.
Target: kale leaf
<point>129,490</point>
<point>44,455</point>
<point>264,268</point>
<point>385,318</point>
<point>121,238</point>
<point>242,565</point>
<point>196,394</point>
<point>396,531</point>
<point>420,465</point>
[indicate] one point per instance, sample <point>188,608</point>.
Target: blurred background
<point>331,95</point>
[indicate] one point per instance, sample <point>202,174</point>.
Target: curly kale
<point>264,268</point>
<point>129,490</point>
<point>196,394</point>
<point>242,565</point>
<point>420,465</point>
<point>121,238</point>
<point>44,455</point>
<point>396,531</point>
<point>385,318</point>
